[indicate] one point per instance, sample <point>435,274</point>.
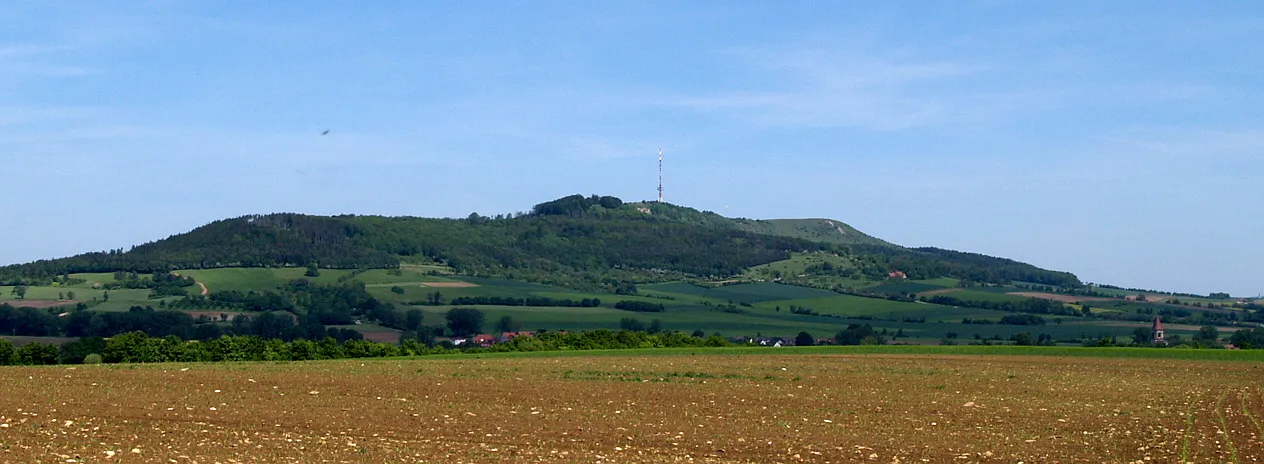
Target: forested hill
<point>817,230</point>
<point>576,241</point>
<point>275,240</point>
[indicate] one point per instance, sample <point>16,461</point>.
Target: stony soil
<point>706,408</point>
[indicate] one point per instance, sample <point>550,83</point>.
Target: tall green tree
<point>8,353</point>
<point>412,319</point>
<point>1207,336</point>
<point>508,324</point>
<point>1142,336</point>
<point>631,324</point>
<point>464,321</point>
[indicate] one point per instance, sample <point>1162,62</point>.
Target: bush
<point>74,352</point>
<point>38,354</point>
<point>631,324</point>
<point>1248,339</point>
<point>859,335</point>
<point>1022,319</point>
<point>93,358</point>
<point>8,354</point>
<point>640,306</point>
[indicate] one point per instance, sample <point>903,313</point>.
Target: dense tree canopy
<point>590,242</point>
<point>464,321</point>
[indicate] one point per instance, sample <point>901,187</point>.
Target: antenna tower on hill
<point>660,175</point>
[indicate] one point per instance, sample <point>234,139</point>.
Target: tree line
<point>540,301</point>
<point>32,322</point>
<point>640,306</point>
<point>1028,305</point>
<point>928,263</point>
<point>137,347</point>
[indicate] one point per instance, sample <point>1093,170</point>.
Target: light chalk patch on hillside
<point>449,284</point>
<point>939,291</point>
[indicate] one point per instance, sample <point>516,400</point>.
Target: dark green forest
<point>592,243</point>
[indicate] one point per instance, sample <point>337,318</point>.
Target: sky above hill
<point>1121,141</point>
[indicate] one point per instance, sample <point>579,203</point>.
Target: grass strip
<point>1189,426</point>
<point>1224,425</point>
<point>1246,409</point>
<point>1055,351</point>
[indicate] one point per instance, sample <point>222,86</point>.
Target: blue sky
<point>1122,141</point>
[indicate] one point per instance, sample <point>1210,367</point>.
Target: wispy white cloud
<point>832,88</point>
<point>21,114</point>
<point>1196,144</point>
<point>32,61</point>
<point>590,147</point>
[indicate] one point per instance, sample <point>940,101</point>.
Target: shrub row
<point>136,347</point>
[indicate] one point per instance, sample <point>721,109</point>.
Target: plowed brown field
<point>707,408</point>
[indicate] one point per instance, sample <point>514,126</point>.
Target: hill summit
<point>575,241</point>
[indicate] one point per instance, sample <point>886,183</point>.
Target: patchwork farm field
<point>758,308</point>
<point>810,405</point>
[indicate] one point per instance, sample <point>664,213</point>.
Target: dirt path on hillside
<point>199,284</point>
<point>939,291</point>
<point>449,284</point>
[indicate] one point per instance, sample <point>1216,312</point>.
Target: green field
<point>983,295</point>
<point>946,282</point>
<point>755,308</point>
<point>684,311</point>
<point>903,287</point>
<point>849,305</point>
<point>742,293</point>
<point>119,300</point>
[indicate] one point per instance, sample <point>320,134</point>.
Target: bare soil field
<point>1059,298</point>
<point>380,334</point>
<point>704,408</point>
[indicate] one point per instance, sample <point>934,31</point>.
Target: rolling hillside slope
<point>592,243</point>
